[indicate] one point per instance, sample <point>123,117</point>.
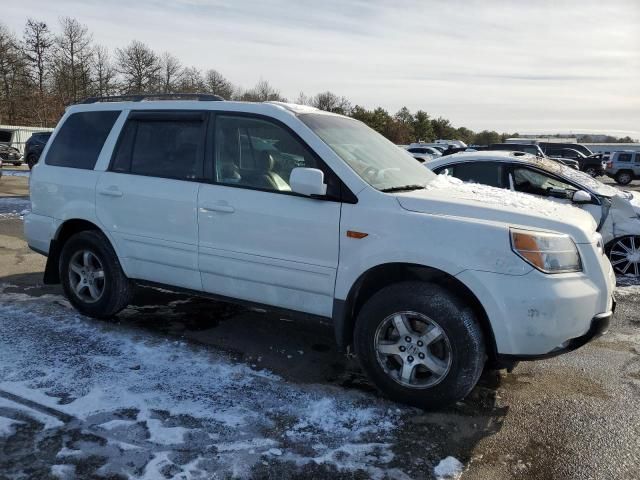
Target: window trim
<point>344,196</point>
<point>196,116</point>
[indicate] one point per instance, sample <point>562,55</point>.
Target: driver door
<point>535,182</point>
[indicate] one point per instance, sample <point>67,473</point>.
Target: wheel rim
<point>86,276</point>
<point>625,256</point>
<point>413,350</point>
<point>624,178</point>
<point>591,171</point>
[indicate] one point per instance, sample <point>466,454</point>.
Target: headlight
<point>548,252</point>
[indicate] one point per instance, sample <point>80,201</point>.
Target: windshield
<point>576,176</point>
<point>375,159</point>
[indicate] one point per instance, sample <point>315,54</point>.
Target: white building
<point>16,136</point>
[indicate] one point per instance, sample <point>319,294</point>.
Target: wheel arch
<point>66,230</point>
<point>376,278</point>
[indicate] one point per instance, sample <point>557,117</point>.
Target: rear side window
<point>80,139</point>
<point>624,157</point>
<point>487,173</point>
<point>156,145</point>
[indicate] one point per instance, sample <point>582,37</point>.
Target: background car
<point>624,167</point>
<point>10,155</point>
<point>434,152</point>
<point>547,146</point>
<point>34,146</point>
<point>530,148</point>
<point>617,213</point>
<point>593,164</point>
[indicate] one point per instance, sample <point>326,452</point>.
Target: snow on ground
<point>15,173</point>
<point>14,207</point>
<point>151,406</point>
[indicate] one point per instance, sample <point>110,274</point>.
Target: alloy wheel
<point>413,349</point>
<point>86,276</point>
<point>625,255</point>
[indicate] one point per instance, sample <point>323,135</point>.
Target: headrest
<point>265,162</point>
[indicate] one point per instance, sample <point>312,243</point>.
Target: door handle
<point>215,207</point>
<point>111,191</point>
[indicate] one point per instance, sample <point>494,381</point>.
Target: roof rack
<point>139,97</point>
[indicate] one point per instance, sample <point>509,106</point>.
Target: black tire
<point>624,178</point>
<point>31,160</point>
<point>17,164</point>
<point>453,316</point>
<point>117,290</point>
<point>592,171</point>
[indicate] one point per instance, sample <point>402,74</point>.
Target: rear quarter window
<point>80,139</point>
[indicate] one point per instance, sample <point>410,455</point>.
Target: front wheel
<point>91,276</point>
<point>593,171</point>
<point>419,344</point>
<point>624,254</point>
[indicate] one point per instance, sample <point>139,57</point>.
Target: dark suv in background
<point>531,148</point>
<point>34,146</point>
<point>591,163</point>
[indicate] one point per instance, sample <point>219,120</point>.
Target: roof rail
<point>139,97</point>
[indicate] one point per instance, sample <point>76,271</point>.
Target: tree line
<point>43,71</point>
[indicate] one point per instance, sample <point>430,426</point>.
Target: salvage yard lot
<point>179,387</point>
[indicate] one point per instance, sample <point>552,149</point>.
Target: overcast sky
<point>527,66</point>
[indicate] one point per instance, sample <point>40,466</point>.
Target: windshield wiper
<point>402,188</point>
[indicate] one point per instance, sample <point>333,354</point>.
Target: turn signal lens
<point>548,252</point>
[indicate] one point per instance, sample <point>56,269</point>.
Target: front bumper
<point>599,326</point>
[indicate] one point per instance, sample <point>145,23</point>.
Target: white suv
<point>308,212</point>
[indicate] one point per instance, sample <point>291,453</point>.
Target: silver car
<point>624,167</point>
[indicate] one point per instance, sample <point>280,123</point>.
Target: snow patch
<point>7,426</point>
<point>449,468</point>
<point>15,173</point>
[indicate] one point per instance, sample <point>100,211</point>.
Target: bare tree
<point>170,72</point>
<point>303,99</point>
<point>38,41</point>
<point>262,92</point>
<point>331,102</point>
<point>191,81</point>
<point>12,76</point>
<point>73,60</point>
<point>139,67</point>
<point>104,73</point>
<point>218,85</point>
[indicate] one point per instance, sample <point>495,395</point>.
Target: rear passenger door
<point>258,241</point>
<point>147,198</point>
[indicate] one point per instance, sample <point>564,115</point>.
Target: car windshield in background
<point>581,178</point>
<point>375,159</point>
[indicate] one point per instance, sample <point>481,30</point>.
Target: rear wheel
<point>419,344</point>
<point>624,254</point>
<point>624,178</point>
<point>31,160</point>
<point>91,276</point>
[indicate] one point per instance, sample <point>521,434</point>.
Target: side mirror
<point>581,197</point>
<point>307,181</point>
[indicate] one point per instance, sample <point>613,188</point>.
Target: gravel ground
<point>180,387</point>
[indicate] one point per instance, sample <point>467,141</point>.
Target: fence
<point>16,135</point>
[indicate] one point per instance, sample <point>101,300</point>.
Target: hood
<point>635,201</point>
<point>450,196</point>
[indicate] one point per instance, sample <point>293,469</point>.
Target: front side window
<point>487,173</point>
<point>167,147</point>
<point>624,157</point>
<point>531,181</point>
<point>256,153</point>
<point>80,139</point>
<point>375,159</point>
